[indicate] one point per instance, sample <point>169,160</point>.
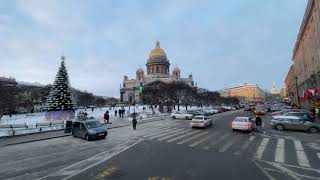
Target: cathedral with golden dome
<point>158,71</point>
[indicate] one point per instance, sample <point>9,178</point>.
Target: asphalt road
<point>169,150</point>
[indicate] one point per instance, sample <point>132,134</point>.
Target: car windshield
<point>241,120</point>
<point>93,124</point>
<point>198,118</point>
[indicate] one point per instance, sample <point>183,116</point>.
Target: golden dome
<point>157,51</point>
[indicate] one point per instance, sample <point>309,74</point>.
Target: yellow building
<point>247,93</point>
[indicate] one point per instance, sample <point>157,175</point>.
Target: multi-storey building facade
<point>306,53</point>
<point>247,93</point>
<point>291,88</point>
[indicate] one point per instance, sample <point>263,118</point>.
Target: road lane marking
<point>182,136</point>
<point>262,147</point>
<point>227,145</point>
<point>193,137</point>
<point>86,164</point>
<point>217,141</point>
<point>252,138</point>
<point>302,158</point>
<point>150,130</point>
<point>279,156</point>
<point>163,134</point>
<point>288,171</point>
<point>203,139</point>
<point>318,154</point>
<point>171,135</point>
<point>158,132</point>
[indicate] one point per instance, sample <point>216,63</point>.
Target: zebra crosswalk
<point>278,150</point>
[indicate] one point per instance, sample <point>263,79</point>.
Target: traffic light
<point>141,87</point>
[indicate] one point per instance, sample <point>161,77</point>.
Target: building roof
<point>157,51</point>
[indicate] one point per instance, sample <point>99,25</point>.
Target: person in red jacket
<point>106,117</point>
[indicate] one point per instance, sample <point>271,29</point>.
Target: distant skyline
<point>222,43</point>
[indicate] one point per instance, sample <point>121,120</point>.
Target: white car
<point>242,123</point>
<point>181,115</point>
<point>201,121</point>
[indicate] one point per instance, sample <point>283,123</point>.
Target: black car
<point>89,130</point>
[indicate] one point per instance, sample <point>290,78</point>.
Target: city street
<point>169,149</point>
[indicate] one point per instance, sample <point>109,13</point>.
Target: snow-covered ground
<point>32,119</point>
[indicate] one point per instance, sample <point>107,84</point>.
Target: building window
<point>157,69</point>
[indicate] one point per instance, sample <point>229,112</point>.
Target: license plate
<point>101,134</point>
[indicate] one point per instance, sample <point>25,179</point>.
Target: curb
<point>60,136</point>
<point>35,140</point>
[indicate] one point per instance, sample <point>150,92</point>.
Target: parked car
<point>293,123</point>
<point>194,112</point>
<point>181,115</point>
<point>302,115</point>
<point>286,111</point>
<point>242,123</point>
<point>201,121</point>
<point>260,110</point>
<point>89,130</point>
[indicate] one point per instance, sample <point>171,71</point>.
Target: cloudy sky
<point>222,43</point>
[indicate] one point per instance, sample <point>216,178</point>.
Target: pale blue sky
<point>222,43</point>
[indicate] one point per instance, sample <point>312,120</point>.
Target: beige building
<point>247,93</point>
<point>158,70</point>
<point>291,88</point>
<point>306,53</point>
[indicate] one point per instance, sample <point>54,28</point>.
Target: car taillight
<point>247,124</point>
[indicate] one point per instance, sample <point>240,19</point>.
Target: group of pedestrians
<point>120,111</point>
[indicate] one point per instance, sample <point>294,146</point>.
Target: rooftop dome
<point>157,52</point>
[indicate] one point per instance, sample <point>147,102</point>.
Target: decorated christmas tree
<point>59,98</point>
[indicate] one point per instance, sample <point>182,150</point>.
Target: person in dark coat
<point>123,112</point>
<point>134,122</point>
<point>106,117</point>
<point>115,112</point>
<point>258,122</point>
<point>120,112</point>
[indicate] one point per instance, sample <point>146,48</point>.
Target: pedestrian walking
<point>106,117</point>
<point>115,112</point>
<point>120,113</point>
<point>258,122</point>
<point>134,122</point>
<point>123,112</point>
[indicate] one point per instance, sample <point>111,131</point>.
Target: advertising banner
<point>59,115</point>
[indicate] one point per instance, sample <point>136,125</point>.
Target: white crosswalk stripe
<point>279,157</point>
<point>159,132</point>
<point>252,138</point>
<point>220,139</point>
<point>182,136</point>
<point>193,137</point>
<point>163,134</point>
<point>227,145</point>
<point>262,147</point>
<point>175,134</point>
<point>153,130</point>
<point>203,139</point>
<point>301,155</point>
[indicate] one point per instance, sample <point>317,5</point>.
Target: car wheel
<point>279,127</point>
<point>312,130</point>
<point>173,117</point>
<point>187,118</point>
<point>88,138</point>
